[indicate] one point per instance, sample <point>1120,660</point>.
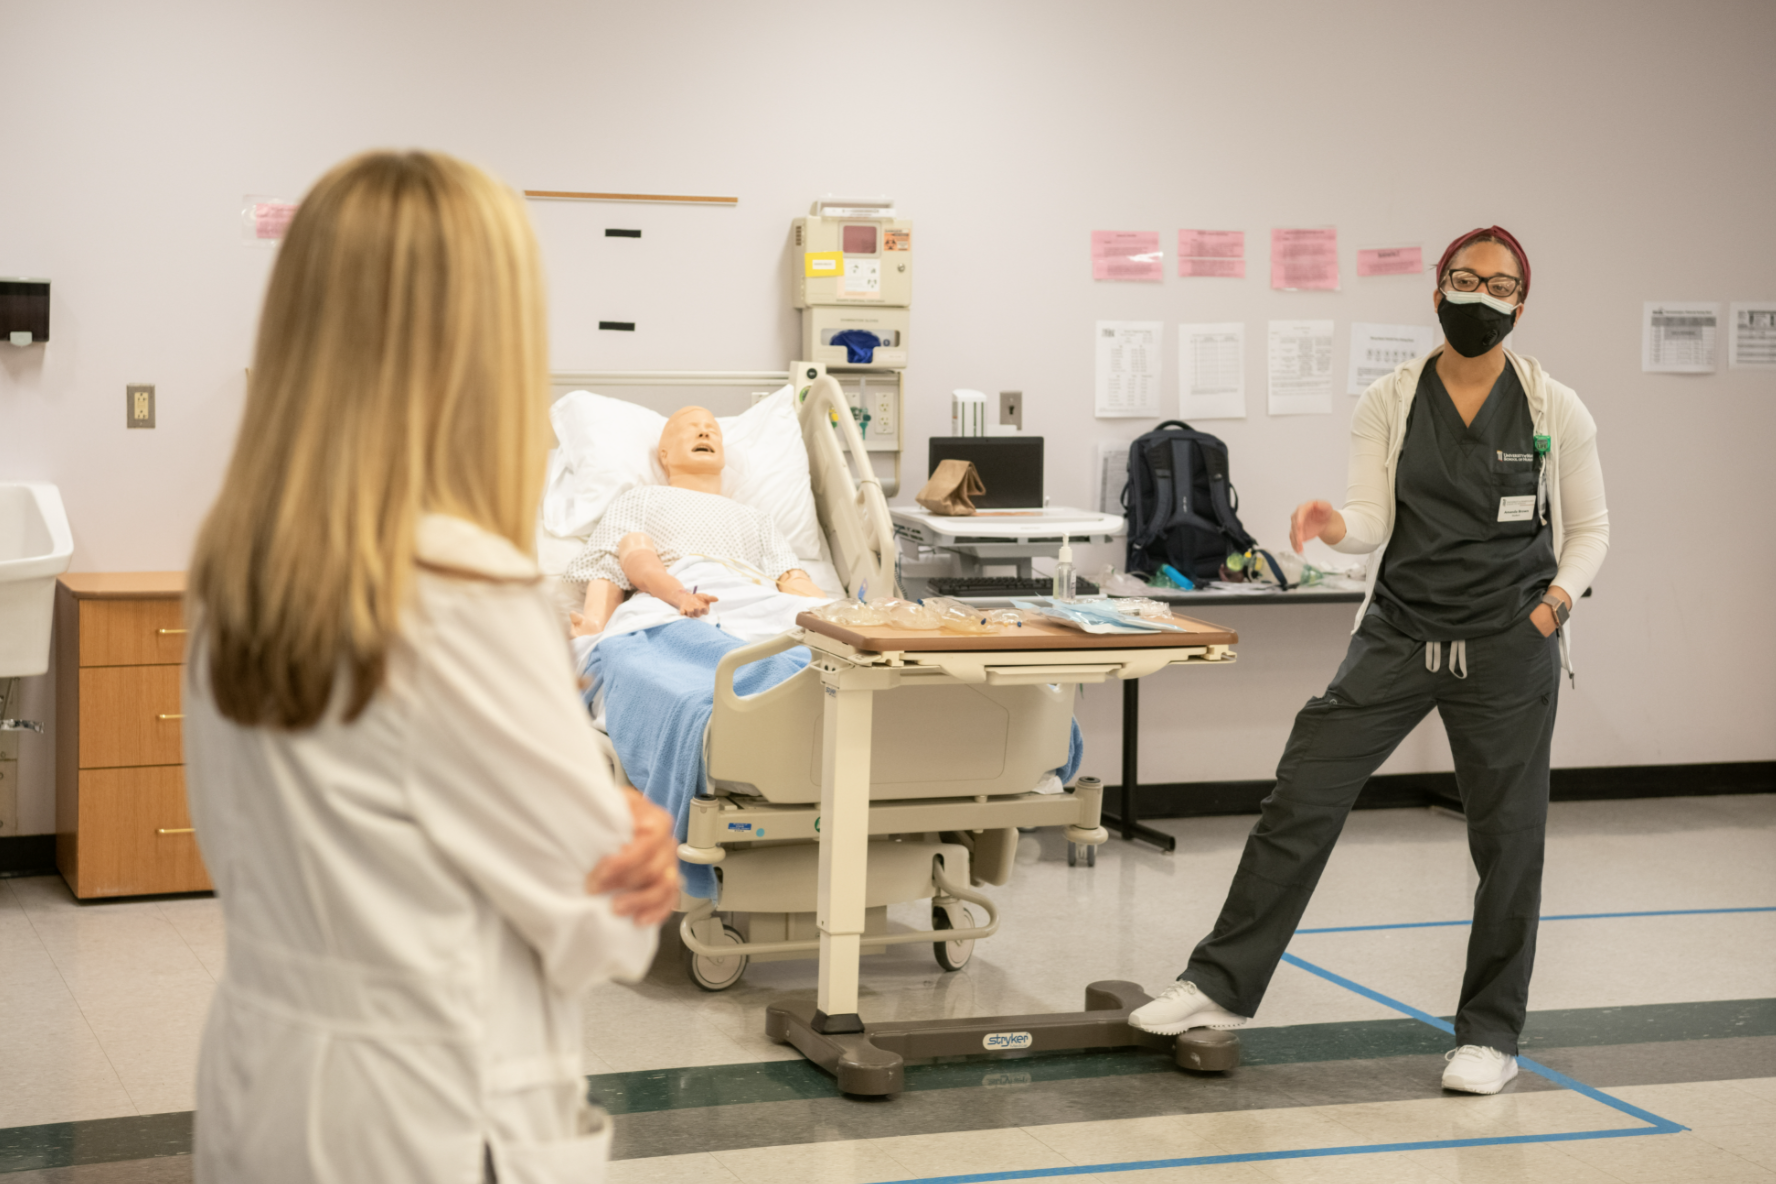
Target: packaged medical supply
<point>1118,583</point>
<point>907,614</point>
<point>1097,616</point>
<point>957,617</point>
<point>1178,578</point>
<point>852,613</point>
<point>1143,607</point>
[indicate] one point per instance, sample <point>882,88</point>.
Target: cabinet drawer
<point>125,849</point>
<point>129,715</point>
<point>131,632</point>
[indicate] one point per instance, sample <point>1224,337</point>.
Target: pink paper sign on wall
<point>1127,255</point>
<point>1390,261</point>
<point>1304,259</point>
<point>1218,253</point>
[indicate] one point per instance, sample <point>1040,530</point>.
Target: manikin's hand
<point>644,874</point>
<point>797,582</point>
<point>693,604</point>
<point>1314,520</point>
<point>580,626</point>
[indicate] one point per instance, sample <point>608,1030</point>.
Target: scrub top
<point>1469,555</point>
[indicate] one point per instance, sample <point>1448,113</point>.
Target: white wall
<point>1628,145</point>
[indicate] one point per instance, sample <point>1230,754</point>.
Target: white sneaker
<point>1181,1006</point>
<point>1476,1070</point>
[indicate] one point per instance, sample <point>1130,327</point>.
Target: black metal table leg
<point>1127,823</point>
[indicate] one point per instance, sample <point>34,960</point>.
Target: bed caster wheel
<point>714,973</point>
<point>952,955</point>
<point>1091,854</point>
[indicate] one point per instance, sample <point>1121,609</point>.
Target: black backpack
<point>1181,506</point>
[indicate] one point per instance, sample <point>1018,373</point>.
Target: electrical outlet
<point>1011,409</point>
<point>139,405</point>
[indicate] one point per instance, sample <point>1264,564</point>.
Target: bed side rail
<point>853,509</point>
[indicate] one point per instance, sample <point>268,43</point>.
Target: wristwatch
<point>1561,612</point>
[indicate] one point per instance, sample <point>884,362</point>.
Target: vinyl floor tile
<point>850,1162</point>
<point>1394,1167</point>
<point>1660,1159</point>
<point>696,1168</point>
<point>1528,1163</point>
<point>1122,1140</point>
<point>1703,1104</point>
<point>963,1153</point>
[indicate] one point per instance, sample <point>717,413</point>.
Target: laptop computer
<point>1009,466</point>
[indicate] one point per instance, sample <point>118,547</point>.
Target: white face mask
<point>1482,297</point>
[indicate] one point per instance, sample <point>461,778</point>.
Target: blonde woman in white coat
<point>1475,477</point>
<point>421,855</point>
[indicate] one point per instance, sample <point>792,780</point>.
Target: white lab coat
<point>407,922</point>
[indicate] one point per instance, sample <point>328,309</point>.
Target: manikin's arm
<point>643,568</point>
<point>797,582</point>
<point>602,599</point>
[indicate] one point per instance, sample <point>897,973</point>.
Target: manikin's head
<point>691,446</point>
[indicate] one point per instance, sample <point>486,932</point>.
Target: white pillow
<point>609,446</point>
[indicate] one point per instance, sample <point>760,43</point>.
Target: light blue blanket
<point>659,692</point>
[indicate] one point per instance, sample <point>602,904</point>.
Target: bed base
<point>869,1060</point>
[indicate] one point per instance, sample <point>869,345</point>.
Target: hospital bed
<point>897,766</point>
<point>950,768</point>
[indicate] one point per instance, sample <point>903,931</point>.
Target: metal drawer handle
<point>175,715</point>
<point>175,830</point>
<point>166,632</point>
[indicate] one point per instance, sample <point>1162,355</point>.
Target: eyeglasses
<point>1462,280</point>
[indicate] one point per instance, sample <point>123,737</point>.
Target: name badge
<point>1517,509</point>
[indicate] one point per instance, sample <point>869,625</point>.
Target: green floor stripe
<point>780,1081</point>
<point>110,1140</point>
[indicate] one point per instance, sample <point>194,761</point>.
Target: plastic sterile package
<point>907,614</point>
<point>1144,607</point>
<point>955,617</point>
<point>852,613</point>
<point>1118,583</point>
<point>1097,616</point>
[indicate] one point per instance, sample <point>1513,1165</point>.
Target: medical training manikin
<point>649,529</point>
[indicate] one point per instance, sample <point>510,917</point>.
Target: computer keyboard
<point>1001,586</point>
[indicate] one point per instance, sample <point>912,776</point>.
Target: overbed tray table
<point>855,663</point>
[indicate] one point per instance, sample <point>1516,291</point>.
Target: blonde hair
<point>401,369</point>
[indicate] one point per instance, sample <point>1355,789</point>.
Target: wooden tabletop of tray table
<point>1039,635</point>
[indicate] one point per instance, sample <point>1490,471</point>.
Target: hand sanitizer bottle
<point>1066,584</point>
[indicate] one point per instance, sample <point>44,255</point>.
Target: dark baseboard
<point>27,855</point>
<point>1190,799</point>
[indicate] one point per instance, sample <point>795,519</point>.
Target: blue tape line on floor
<point>1655,1124</point>
<point>1559,917</point>
<point>1658,1125</point>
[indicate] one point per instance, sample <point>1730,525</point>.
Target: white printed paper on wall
<point>1679,336</point>
<point>1752,336</point>
<point>1128,369</point>
<point>1212,371</point>
<point>1376,350</point>
<point>1113,473</point>
<point>1300,366</point>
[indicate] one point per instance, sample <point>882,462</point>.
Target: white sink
<point>35,547</point>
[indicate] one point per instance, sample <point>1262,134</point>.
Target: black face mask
<point>1473,327</point>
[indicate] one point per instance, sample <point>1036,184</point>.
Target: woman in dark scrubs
<point>1478,475</point>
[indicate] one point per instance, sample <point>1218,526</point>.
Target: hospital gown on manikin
<point>683,522</point>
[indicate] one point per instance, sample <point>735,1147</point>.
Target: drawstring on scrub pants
<point>1458,657</point>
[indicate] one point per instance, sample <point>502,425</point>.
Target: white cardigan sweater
<point>1577,514</point>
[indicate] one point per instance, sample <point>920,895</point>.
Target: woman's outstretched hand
<point>1315,520</point>
<point>643,876</point>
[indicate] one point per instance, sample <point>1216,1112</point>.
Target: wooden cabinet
<point>122,828</point>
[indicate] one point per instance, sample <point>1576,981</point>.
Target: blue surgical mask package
<point>1096,616</point>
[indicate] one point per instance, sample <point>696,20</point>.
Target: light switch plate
<point>139,405</point>
<point>1011,409</point>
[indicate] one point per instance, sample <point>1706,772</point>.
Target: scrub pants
<point>1500,720</point>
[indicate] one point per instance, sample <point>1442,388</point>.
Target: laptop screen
<point>1009,466</point>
